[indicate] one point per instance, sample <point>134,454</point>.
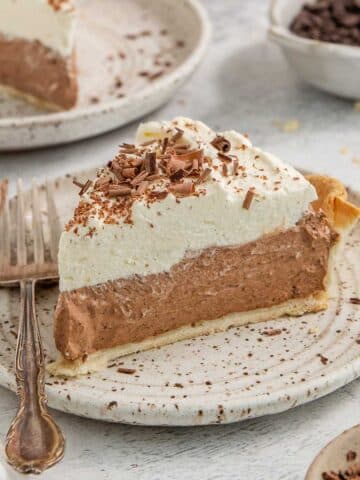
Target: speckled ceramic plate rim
<point>174,77</point>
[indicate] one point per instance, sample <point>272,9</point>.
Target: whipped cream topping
<point>254,194</point>
<point>51,22</point>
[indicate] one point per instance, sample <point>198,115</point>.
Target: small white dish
<point>331,67</point>
<point>132,57</point>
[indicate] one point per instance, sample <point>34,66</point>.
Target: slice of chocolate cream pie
<point>189,232</point>
<point>37,52</point>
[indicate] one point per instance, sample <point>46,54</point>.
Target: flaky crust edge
<point>332,200</point>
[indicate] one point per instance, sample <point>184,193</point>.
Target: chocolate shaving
<point>156,176</point>
<point>149,142</point>
<point>179,133</point>
<point>85,187</point>
<point>139,178</point>
<point>182,148</point>
<point>164,145</point>
<point>150,162</point>
<point>224,157</point>
<point>134,162</point>
<point>235,166</point>
<point>204,175</point>
<point>129,172</point>
<point>184,189</point>
<point>178,175</point>
<point>102,182</point>
<point>160,194</point>
<point>119,191</point>
<point>142,187</point>
<point>118,173</point>
<point>221,144</point>
<point>248,199</point>
<point>195,165</point>
<point>78,183</point>
<point>189,157</point>
<point>224,170</point>
<point>175,165</point>
<point>128,145</point>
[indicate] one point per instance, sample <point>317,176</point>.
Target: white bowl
<point>331,67</point>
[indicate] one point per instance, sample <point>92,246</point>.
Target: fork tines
<point>24,252</point>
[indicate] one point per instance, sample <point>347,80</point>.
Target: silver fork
<point>34,441</point>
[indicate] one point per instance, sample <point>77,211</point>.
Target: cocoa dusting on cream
<point>151,170</point>
<point>207,285</point>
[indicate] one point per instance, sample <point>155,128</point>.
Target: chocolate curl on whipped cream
<point>176,137</point>
<point>129,172</point>
<point>250,194</point>
<point>84,187</point>
<point>150,162</point>
<point>221,144</point>
<point>139,178</point>
<point>185,188</point>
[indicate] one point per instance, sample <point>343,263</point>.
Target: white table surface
<point>243,83</point>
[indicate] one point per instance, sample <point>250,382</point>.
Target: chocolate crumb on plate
<point>127,371</point>
<point>155,75</point>
<point>271,333</point>
<point>112,404</point>
<point>351,456</point>
<point>324,360</point>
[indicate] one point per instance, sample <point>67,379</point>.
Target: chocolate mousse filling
<point>205,285</point>
<point>33,69</point>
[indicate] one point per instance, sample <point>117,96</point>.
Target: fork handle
<point>34,441</point>
<point>29,366</point>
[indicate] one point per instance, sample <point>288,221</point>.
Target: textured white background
<point>243,83</point>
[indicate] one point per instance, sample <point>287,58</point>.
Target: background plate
<point>132,56</point>
<point>221,378</point>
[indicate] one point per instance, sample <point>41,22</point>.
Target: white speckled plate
<point>215,379</point>
<point>132,56</point>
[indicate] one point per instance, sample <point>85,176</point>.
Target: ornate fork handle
<point>34,441</point>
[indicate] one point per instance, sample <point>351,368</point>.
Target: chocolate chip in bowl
<point>334,21</point>
<point>321,42</point>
